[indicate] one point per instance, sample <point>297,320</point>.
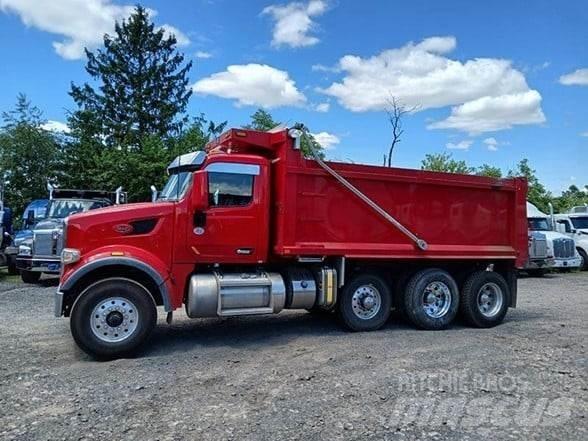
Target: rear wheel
<point>484,299</point>
<point>30,276</point>
<point>113,318</point>
<point>431,299</point>
<point>364,303</point>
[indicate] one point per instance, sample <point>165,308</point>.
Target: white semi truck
<point>561,249</point>
<point>574,224</point>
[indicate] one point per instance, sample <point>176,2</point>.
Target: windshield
<point>580,222</point>
<point>61,208</point>
<point>538,224</point>
<point>176,186</point>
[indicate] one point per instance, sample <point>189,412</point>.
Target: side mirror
<point>30,218</point>
<point>199,194</point>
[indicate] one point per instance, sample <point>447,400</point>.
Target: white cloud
<point>181,38</point>
<point>328,141</point>
<point>584,134</point>
<point>252,85</point>
<point>203,55</point>
<point>490,114</point>
<point>55,126</point>
<point>323,68</point>
<point>491,144</point>
<point>293,22</point>
<point>422,75</point>
<point>80,23</point>
<point>577,78</point>
<point>322,107</point>
<point>462,145</point>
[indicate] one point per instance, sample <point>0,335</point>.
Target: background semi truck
<point>250,226</point>
<point>575,225</point>
<point>561,249</point>
<point>40,252</point>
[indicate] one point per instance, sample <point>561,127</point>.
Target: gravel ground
<point>298,376</point>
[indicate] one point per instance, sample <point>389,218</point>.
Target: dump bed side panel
<point>458,216</point>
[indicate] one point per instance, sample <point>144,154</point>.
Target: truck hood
<point>128,225</point>
<point>552,235</point>
<point>49,224</point>
<point>122,213</point>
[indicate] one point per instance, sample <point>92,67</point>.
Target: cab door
<point>233,228</point>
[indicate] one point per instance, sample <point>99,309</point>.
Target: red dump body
<point>312,214</point>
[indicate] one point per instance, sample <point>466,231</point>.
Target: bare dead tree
<point>396,112</point>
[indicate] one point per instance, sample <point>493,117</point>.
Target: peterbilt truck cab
<point>250,226</point>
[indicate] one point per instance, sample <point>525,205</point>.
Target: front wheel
<point>364,303</point>
<point>584,259</point>
<point>113,318</point>
<point>30,276</point>
<point>12,269</point>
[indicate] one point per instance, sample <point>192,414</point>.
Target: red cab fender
<point>135,258</point>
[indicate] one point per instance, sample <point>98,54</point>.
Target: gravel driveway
<point>299,376</point>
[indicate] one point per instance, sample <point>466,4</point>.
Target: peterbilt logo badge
<point>123,228</point>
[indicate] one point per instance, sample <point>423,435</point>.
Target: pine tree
<point>143,81</point>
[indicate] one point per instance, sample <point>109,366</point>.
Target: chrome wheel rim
<point>114,319</point>
<point>366,302</point>
<point>490,299</point>
<point>436,299</point>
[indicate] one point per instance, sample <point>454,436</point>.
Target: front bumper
<point>11,251</point>
<point>540,263</point>
<point>58,303</point>
<point>574,262</point>
<point>45,265</point>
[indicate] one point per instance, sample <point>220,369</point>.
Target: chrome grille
<point>48,243</point>
<point>564,248</point>
<point>538,247</point>
<point>43,243</point>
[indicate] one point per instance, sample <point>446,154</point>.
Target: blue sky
<point>493,82</point>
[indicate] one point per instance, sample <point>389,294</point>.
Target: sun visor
<point>187,162</point>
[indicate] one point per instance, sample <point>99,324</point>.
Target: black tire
<point>350,311</point>
<point>12,270</point>
<point>584,256</point>
<point>537,272</point>
<point>470,308</point>
<point>115,288</point>
<point>423,283</point>
<point>30,276</point>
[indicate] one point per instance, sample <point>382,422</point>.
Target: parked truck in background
<point>575,225</point>
<point>38,208</point>
<point>6,260</point>
<point>250,226</point>
<point>561,249</point>
<point>540,257</point>
<point>41,252</point>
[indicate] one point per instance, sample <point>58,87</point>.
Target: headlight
<point>24,250</point>
<point>69,256</point>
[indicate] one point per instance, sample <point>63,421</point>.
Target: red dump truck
<point>251,226</point>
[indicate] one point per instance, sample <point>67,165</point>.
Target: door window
<point>229,189</point>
